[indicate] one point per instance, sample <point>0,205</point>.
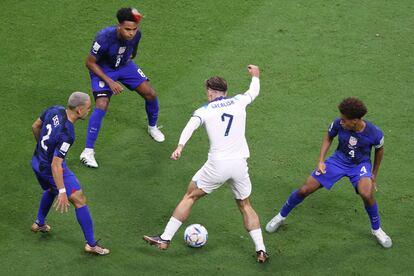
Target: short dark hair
<point>352,108</point>
<point>128,14</point>
<point>216,83</point>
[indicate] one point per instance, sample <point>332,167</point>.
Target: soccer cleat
<point>156,133</point>
<point>97,249</point>
<point>274,223</point>
<point>157,241</point>
<point>37,228</point>
<point>382,238</point>
<point>87,157</point>
<point>261,256</point>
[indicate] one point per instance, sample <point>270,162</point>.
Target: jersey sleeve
<point>334,128</point>
<point>251,94</point>
<point>379,141</point>
<point>62,147</point>
<point>99,46</point>
<point>188,130</point>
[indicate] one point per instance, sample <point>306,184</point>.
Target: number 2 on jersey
<point>46,137</point>
<point>223,118</point>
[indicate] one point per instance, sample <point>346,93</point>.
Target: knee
<point>102,104</point>
<point>147,92</point>
<point>78,200</point>
<point>303,191</point>
<point>366,196</point>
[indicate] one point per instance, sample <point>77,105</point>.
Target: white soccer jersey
<point>225,122</point>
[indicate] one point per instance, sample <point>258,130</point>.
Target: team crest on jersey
<point>353,141</point>
<point>55,120</point>
<point>101,84</point>
<point>121,50</point>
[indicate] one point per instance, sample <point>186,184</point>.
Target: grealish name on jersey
<point>222,104</point>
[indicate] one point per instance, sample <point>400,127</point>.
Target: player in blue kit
<point>55,133</point>
<point>110,63</point>
<point>351,159</point>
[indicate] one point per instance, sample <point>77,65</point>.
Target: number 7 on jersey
<point>223,118</point>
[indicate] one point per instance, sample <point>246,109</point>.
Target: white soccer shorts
<point>215,173</point>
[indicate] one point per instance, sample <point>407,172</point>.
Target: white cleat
<point>156,133</point>
<point>274,223</point>
<point>382,238</point>
<point>87,157</point>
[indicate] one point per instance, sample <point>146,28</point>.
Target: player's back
<point>225,123</point>
<point>57,134</point>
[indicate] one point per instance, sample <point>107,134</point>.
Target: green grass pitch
<point>312,54</point>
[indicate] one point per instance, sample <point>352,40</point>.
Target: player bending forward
<point>225,121</point>
<point>351,159</point>
<point>109,62</point>
<point>55,133</point>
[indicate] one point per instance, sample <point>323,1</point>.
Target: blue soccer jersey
<point>355,147</point>
<point>56,137</point>
<point>112,51</point>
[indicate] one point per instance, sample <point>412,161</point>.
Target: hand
<point>62,203</point>
<point>177,153</point>
<point>253,70</point>
<point>321,169</point>
<point>115,87</point>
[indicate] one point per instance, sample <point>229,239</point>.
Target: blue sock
<point>151,107</point>
<point>86,223</point>
<point>291,203</point>
<point>45,204</point>
<point>373,216</point>
<point>95,122</point>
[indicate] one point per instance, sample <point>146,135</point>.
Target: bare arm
<point>97,70</point>
<point>326,143</point>
<point>36,128</point>
<point>62,202</point>
<point>379,153</point>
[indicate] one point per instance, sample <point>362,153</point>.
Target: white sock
<point>88,150</point>
<point>171,228</point>
<point>257,238</point>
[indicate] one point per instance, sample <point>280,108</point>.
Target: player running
<point>225,121</point>
<point>351,159</point>
<point>54,132</point>
<point>110,63</point>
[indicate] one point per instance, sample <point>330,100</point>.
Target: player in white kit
<point>225,121</point>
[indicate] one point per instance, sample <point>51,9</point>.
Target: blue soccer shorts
<point>335,170</point>
<point>47,182</point>
<point>129,75</point>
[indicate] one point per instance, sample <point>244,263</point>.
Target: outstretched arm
<point>326,143</point>
<point>254,88</point>
<point>186,134</point>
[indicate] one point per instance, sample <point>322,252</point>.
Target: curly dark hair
<point>216,83</point>
<point>128,14</point>
<point>352,108</point>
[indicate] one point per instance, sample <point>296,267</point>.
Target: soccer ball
<point>195,235</point>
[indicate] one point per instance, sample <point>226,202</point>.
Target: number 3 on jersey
<point>223,118</point>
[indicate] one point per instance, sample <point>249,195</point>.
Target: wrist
<point>62,190</point>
